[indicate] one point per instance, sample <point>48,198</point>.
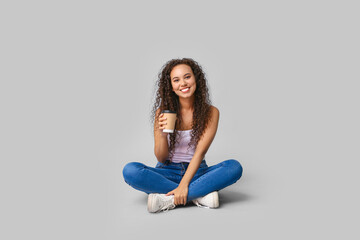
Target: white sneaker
<point>159,202</point>
<point>210,200</point>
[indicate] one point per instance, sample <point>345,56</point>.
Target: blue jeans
<point>167,176</point>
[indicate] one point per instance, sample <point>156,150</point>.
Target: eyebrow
<point>184,75</point>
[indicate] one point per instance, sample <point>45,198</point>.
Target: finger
<point>162,125</point>
<point>184,200</point>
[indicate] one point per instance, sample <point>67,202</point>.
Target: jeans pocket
<point>159,165</point>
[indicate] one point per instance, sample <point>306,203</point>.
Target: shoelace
<point>166,208</point>
<point>199,205</point>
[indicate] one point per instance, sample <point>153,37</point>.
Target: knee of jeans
<point>235,168</point>
<point>131,171</point>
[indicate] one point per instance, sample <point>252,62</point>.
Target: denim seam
<point>182,170</point>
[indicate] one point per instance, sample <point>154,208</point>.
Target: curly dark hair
<point>166,99</point>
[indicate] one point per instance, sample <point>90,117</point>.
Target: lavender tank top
<point>181,152</point>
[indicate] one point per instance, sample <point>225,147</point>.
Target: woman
<point>181,174</point>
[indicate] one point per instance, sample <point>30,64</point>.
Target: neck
<point>187,104</point>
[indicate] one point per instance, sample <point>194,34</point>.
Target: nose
<point>183,83</point>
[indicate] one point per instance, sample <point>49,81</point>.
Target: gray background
<point>77,84</point>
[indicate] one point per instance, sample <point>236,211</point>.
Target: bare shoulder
<point>214,114</point>
<point>214,111</point>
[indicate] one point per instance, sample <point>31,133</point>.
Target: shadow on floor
<point>229,197</point>
<point>225,197</point>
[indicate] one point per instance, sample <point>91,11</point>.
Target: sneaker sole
<point>151,201</point>
<point>216,200</point>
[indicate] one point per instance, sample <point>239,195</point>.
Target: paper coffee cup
<point>170,121</point>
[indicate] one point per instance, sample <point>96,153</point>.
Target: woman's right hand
<point>162,123</point>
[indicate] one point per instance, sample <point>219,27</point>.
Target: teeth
<point>184,90</point>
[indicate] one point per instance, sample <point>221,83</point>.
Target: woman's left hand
<point>180,194</point>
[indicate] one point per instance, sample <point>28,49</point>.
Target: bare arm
<point>161,148</point>
<point>202,147</point>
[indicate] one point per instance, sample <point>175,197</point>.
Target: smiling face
<point>183,81</point>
